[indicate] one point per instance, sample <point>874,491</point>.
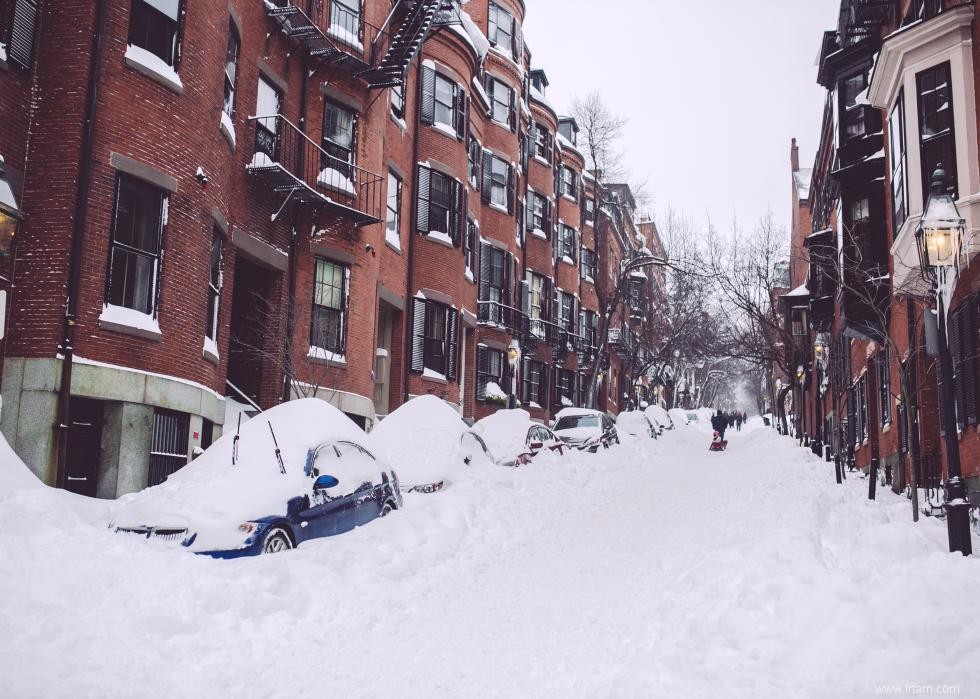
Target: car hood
<point>579,434</point>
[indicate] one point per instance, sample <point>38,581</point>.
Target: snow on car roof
<point>420,439</point>
<point>564,412</point>
<point>505,432</point>
<point>210,493</point>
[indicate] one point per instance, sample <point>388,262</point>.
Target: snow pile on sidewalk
<point>653,569</point>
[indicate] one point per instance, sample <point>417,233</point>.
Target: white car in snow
<point>659,417</point>
<point>636,424</point>
<point>514,439</point>
<point>585,429</point>
<point>428,443</point>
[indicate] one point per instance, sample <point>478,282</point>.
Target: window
<point>963,326</point>
<point>936,139</point>
<point>896,141</point>
<point>588,328</point>
<point>502,104</point>
<point>852,113</point>
<point>566,182</point>
<point>568,246</point>
<point>566,311</point>
<point>533,385</point>
<point>502,30</point>
<point>345,20</point>
<point>798,324</point>
<point>330,290</point>
<point>564,387</point>
<point>539,293</point>
<point>214,287</point>
<point>589,209</point>
<point>231,69</point>
<point>443,102</point>
<point>884,388</point>
<point>267,105</point>
<point>393,215</point>
<point>398,101</point>
<point>862,409</point>
<point>339,134</point>
<point>538,213</point>
<point>435,338</point>
<point>490,365</point>
<point>473,155</point>
<point>470,243</point>
<point>498,182</point>
<point>440,204</point>
<point>494,292</point>
<point>18,34</point>
<point>590,266</point>
<point>542,141</point>
<point>168,444</point>
<point>153,26</point>
<point>134,257</point>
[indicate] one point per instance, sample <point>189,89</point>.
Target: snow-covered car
<point>296,472</point>
<point>659,417</point>
<point>514,439</point>
<point>428,443</point>
<point>636,424</point>
<point>585,429</point>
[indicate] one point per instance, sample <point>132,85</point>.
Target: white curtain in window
<point>167,7</point>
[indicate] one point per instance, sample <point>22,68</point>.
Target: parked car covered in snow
<point>296,472</point>
<point>636,424</point>
<point>428,443</point>
<point>659,417</point>
<point>585,429</point>
<point>514,439</point>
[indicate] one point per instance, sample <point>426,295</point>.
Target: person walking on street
<point>719,423</point>
<point>738,421</point>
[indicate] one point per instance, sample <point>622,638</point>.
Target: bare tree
<point>602,131</point>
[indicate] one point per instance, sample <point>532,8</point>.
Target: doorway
<point>84,446</point>
<point>253,315</point>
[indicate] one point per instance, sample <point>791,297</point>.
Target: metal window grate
<point>168,444</point>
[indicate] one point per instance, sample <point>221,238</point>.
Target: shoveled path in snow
<point>655,569</point>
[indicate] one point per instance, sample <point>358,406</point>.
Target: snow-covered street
<point>655,569</point>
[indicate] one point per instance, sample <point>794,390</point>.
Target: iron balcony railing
<point>496,313</point>
<point>623,341</point>
<point>290,162</point>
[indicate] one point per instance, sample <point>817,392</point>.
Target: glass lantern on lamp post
<point>939,237</point>
<point>513,360</point>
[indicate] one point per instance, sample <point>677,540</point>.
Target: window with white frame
<point>567,241</point>
<point>490,365</point>
<point>135,246</point>
<point>538,288</point>
<point>393,214</point>
<point>231,68</point>
<point>339,139</point>
<point>470,246</point>
<point>896,144</point>
<point>397,93</point>
<point>852,113</point>
<point>214,287</point>
<point>443,103</point>
<point>566,311</point>
<point>330,290</point>
<point>501,26</point>
<point>937,144</point>
<point>533,385</point>
<point>473,154</point>
<point>501,96</point>
<point>567,182</point>
<point>154,26</point>
<point>590,266</point>
<point>499,180</point>
<point>439,206</point>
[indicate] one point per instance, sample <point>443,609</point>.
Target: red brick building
<point>222,205</point>
<point>902,84</point>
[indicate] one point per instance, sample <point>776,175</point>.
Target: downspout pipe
<point>408,316</point>
<point>78,244</point>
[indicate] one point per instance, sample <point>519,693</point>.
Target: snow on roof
<point>801,290</point>
<point>471,34</point>
<point>577,411</point>
<point>801,179</point>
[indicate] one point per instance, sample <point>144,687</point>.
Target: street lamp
<point>513,359</point>
<point>938,238</point>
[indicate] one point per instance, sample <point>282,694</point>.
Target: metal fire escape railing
<point>342,38</point>
<point>290,162</point>
<point>496,313</point>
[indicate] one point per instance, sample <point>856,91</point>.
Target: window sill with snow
<point>441,238</point>
<point>320,355</point>
<point>227,128</point>
<point>153,67</point>
<point>211,350</point>
<point>434,376</point>
<point>129,322</point>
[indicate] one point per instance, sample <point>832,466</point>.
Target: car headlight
<point>247,527</point>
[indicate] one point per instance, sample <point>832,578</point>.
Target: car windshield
<point>571,421</point>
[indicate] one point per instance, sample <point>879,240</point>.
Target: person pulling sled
<point>719,422</point>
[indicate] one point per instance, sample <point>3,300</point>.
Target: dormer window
<point>569,130</point>
<point>539,81</point>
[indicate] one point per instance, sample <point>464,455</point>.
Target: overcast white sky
<point>713,89</point>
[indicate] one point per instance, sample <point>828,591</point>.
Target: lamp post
<point>938,238</point>
<point>775,405</point>
<point>513,359</point>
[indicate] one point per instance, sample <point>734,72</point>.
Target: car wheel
<point>387,508</point>
<point>277,540</point>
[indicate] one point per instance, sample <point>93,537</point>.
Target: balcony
<point>289,162</point>
<point>377,56</point>
<point>623,342</point>
<point>502,315</point>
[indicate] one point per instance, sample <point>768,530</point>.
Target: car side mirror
<point>325,482</point>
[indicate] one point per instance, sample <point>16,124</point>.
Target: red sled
<point>717,443</point>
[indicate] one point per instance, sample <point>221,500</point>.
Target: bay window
<point>937,143</point>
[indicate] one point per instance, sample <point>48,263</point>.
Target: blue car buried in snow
<point>261,493</point>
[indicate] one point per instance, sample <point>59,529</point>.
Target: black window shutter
<point>969,340</point>
<point>543,389</point>
<point>418,335</point>
<point>22,30</point>
<point>452,343</point>
<point>511,189</point>
<point>456,218</point>
<point>548,145</point>
<point>460,111</point>
<point>482,367</point>
<point>512,119</point>
<point>515,40</point>
<point>424,180</point>
<point>427,104</point>
<point>956,349</point>
<point>488,83</point>
<point>547,218</point>
<point>525,364</point>
<point>529,211</point>
<point>487,176</point>
<point>485,259</point>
